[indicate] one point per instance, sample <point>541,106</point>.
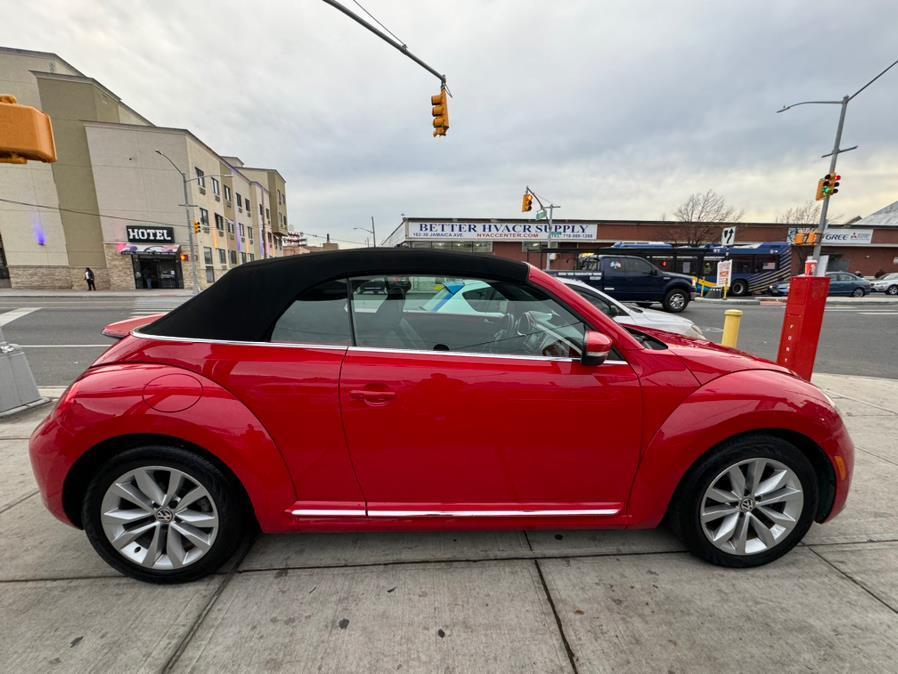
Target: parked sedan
<point>887,284</point>
<point>840,283</point>
<point>309,415</point>
<point>477,297</point>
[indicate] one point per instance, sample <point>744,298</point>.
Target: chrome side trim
<point>490,513</point>
<point>323,512</point>
<point>232,342</point>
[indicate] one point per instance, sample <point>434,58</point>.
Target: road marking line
<point>878,313</point>
<point>10,316</point>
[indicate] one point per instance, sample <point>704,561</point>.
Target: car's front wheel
<point>892,290</point>
<point>858,292</point>
<point>748,503</point>
<point>163,514</point>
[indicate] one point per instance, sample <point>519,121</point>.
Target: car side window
<point>632,265</point>
<point>319,315</point>
<point>469,315</point>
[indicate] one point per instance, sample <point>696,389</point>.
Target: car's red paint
<point>121,329</point>
<point>370,437</point>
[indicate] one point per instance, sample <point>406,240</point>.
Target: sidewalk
<point>18,292</point>
<point>511,601</point>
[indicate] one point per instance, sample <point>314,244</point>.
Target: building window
<point>242,258</point>
<point>219,222</point>
<point>216,188</point>
<point>222,256</point>
<point>239,201</point>
<point>242,231</point>
<point>252,257</point>
<point>230,226</point>
<point>261,214</point>
<point>227,191</point>
<point>233,255</point>
<point>267,215</point>
<point>200,177</point>
<point>207,256</point>
<point>210,275</point>
<point>247,203</point>
<point>204,219</point>
<point>249,231</point>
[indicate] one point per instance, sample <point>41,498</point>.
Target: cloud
<point>613,110</point>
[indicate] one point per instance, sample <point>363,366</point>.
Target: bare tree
<point>702,216</point>
<point>802,214</point>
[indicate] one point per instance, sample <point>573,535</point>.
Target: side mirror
<point>654,271</point>
<point>598,346</point>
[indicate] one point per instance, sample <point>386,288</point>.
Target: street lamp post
<point>188,209</point>
<point>821,227</point>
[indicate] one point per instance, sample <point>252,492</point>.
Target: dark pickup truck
<point>633,279</point>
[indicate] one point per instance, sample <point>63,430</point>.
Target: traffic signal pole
<point>834,155</point>
<point>189,210</point>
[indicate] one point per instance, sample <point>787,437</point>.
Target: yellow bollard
<point>731,322</point>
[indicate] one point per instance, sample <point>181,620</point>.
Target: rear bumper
<point>51,464</point>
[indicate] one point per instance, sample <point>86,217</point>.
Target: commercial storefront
<point>868,249</point>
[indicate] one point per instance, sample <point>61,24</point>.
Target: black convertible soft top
<point>246,302</point>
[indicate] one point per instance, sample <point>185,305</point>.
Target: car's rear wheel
<point>739,287</point>
<point>748,503</point>
<point>676,300</point>
<point>858,292</point>
<point>892,290</point>
<point>163,515</point>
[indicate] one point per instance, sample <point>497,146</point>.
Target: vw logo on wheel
<point>164,515</point>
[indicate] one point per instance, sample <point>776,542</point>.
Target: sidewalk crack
<point>572,658</point>
<point>855,581</point>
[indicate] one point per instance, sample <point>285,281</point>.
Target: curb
<point>750,301</point>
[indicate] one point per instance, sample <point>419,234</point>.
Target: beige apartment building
<point>114,203</point>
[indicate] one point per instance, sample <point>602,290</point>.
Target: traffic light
<point>185,257</point>
<point>196,226</point>
<point>27,133</point>
<point>440,113</point>
<point>527,203</point>
<point>828,185</point>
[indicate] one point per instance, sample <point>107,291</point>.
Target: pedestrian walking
<point>89,277</point>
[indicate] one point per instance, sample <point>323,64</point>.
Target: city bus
<point>756,266</point>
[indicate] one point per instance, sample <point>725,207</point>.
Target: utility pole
<point>188,208</point>
<point>369,231</point>
<point>549,212</point>
<point>834,155</point>
<point>373,233</point>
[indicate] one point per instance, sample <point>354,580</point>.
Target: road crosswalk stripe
<point>9,316</point>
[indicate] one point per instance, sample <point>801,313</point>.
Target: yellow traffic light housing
<point>820,195</point>
<point>196,226</point>
<point>527,203</point>
<point>828,186</point>
<point>440,113</point>
<point>26,133</point>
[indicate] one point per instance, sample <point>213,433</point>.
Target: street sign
<point>724,273</point>
<point>728,236</point>
<point>541,214</point>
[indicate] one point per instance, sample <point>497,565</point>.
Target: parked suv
<point>629,278</point>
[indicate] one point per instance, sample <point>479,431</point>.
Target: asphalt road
<point>61,337</point>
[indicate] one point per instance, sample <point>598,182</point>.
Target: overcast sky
<point>611,109</point>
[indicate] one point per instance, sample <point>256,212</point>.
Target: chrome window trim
<point>337,347</point>
<point>234,342</point>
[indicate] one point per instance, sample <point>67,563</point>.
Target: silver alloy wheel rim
<point>159,517</point>
<point>751,507</point>
<point>677,301</point>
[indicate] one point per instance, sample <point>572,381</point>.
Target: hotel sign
<point>497,231</point>
<point>148,234</point>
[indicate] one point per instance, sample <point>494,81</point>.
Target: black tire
<point>739,288</point>
<point>684,515</point>
<point>858,292</point>
<point>892,290</point>
<point>675,300</point>
<point>233,516</point>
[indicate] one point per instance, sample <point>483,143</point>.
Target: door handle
<point>372,397</point>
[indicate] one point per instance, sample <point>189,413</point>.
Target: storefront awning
<point>146,249</point>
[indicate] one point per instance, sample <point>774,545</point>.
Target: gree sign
<point>147,234</point>
<point>848,237</point>
<point>495,231</point>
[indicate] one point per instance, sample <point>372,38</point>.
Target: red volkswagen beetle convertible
<point>332,392</point>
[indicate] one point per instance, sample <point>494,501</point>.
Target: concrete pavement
<point>587,601</point>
